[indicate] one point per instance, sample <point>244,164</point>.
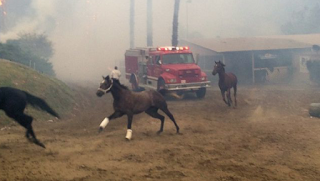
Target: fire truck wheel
<point>133,81</point>
<point>201,93</point>
<point>180,93</point>
<point>161,86</point>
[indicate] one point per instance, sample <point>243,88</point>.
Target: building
<point>258,59</point>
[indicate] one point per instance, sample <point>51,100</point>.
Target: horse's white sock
<point>129,134</point>
<point>104,123</point>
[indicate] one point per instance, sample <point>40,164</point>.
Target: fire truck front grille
<point>188,73</point>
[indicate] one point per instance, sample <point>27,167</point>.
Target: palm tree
<point>175,23</point>
<point>149,23</point>
<point>131,23</point>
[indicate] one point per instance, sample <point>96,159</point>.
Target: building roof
<point>257,43</point>
<point>312,39</point>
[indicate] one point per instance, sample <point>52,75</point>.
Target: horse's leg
<point>229,97</point>
<point>114,115</point>
<point>168,113</point>
<point>235,94</point>
<point>223,96</point>
<point>153,112</point>
<point>26,121</point>
<point>35,140</point>
<point>129,130</point>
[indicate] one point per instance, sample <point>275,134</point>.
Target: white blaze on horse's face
<point>104,87</point>
<point>102,82</point>
<point>214,72</point>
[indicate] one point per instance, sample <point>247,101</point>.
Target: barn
<point>272,59</point>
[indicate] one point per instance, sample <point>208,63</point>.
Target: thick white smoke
<point>90,36</point>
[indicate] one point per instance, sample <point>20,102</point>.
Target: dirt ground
<point>270,136</point>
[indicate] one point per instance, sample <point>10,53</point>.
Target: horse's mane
<point>121,85</point>
<point>223,67</point>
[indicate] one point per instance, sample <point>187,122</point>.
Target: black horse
<point>226,82</point>
<point>129,103</point>
<point>13,102</point>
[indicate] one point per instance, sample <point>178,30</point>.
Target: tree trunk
<point>149,24</point>
<point>132,24</point>
<point>175,23</point>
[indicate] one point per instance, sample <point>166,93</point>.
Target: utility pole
<point>149,24</point>
<point>132,23</point>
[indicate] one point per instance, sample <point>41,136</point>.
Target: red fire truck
<point>170,68</point>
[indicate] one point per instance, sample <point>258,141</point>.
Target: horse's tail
<point>40,103</point>
<point>235,84</point>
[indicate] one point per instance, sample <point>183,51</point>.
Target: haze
<point>91,36</point>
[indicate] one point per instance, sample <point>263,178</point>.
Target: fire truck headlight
<point>172,80</point>
<point>203,78</point>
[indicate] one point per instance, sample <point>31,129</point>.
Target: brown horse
<point>226,82</point>
<point>129,103</point>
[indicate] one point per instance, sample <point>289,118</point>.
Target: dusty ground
<point>268,137</point>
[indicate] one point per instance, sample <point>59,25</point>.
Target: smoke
<point>91,36</point>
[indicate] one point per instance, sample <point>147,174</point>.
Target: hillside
<point>56,93</point>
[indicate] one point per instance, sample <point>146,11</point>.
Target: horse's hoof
<point>100,130</point>
<point>159,132</point>
<point>39,144</point>
<point>30,139</point>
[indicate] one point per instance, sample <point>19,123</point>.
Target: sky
<point>91,36</point>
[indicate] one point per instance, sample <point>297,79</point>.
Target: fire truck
<point>171,69</point>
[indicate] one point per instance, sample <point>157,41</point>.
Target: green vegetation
<point>57,94</point>
<point>38,44</point>
<point>30,49</point>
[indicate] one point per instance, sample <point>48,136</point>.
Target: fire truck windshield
<point>182,58</point>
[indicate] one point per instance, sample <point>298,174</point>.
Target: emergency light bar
<point>172,48</point>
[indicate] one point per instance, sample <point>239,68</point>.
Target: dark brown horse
<point>129,103</point>
<point>226,82</point>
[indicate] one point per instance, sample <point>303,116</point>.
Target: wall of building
<point>301,74</point>
<point>239,63</point>
<point>287,67</point>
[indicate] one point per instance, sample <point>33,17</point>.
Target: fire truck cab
<point>170,68</point>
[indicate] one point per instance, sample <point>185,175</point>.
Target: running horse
<point>226,82</point>
<point>13,102</point>
<point>130,103</point>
